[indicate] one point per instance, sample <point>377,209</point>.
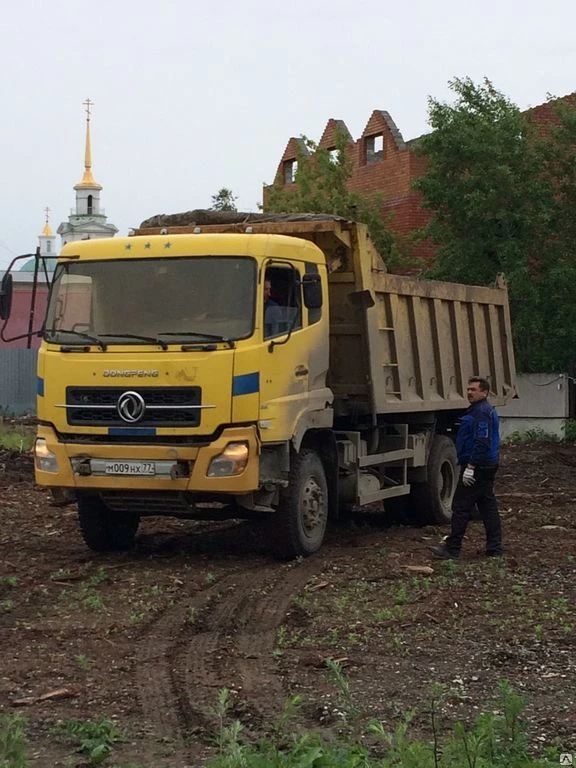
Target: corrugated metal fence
<point>18,381</point>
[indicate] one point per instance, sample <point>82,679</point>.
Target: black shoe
<point>494,553</point>
<point>441,552</point>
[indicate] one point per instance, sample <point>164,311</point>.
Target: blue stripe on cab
<point>246,384</point>
<point>40,387</point>
<point>144,431</point>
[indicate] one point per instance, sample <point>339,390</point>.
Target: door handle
<point>301,370</point>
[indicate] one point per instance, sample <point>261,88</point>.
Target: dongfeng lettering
<point>127,374</point>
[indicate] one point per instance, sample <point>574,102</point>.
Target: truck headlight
<point>232,461</point>
<point>44,459</point>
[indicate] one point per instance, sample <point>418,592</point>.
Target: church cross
<point>88,104</point>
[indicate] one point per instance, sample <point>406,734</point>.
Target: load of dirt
<point>146,639</point>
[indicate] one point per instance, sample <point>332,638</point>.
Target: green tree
<point>322,178</point>
<point>224,200</point>
<point>483,184</point>
<point>555,273</point>
<point>498,195</point>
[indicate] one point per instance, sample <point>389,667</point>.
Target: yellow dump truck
<point>246,366</point>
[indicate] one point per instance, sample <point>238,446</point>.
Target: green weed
<point>93,739</point>
<point>496,739</point>
<point>13,742</point>
<point>83,661</point>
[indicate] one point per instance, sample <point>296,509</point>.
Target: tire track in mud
<point>235,648</point>
<point>155,661</point>
<point>180,664</point>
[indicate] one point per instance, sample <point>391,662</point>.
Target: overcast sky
<point>192,96</point>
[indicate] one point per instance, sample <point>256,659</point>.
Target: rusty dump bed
<point>398,344</point>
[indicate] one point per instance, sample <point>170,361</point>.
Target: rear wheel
<point>104,530</point>
<point>431,502</point>
<point>300,522</point>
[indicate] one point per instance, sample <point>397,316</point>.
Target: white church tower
<point>46,248</point>
<point>88,221</point>
<point>47,239</point>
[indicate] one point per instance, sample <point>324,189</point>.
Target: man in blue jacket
<point>478,449</point>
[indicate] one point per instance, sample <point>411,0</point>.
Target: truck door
<point>285,363</point>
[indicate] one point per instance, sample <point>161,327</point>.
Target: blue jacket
<point>478,438</point>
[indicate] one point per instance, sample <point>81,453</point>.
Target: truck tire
<point>104,530</point>
<point>431,502</point>
<point>300,522</point>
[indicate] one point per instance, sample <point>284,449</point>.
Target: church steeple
<point>47,238</point>
<point>88,221</point>
<point>88,181</point>
<point>47,247</point>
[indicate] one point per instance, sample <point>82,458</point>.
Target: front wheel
<point>104,530</point>
<point>300,522</point>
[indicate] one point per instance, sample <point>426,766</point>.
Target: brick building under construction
<point>383,163</point>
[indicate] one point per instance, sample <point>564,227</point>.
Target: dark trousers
<point>466,499</point>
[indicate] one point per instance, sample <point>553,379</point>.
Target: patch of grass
<point>91,601</point>
<point>389,614</point>
<point>16,437</point>
<point>13,742</point>
<point>533,435</point>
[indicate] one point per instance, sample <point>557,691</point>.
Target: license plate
<point>130,468</point>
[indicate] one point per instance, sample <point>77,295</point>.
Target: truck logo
<point>131,373</point>
<point>131,407</point>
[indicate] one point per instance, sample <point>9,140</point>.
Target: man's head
<point>478,389</point>
<point>267,289</point>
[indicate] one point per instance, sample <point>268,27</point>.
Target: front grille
<point>165,406</point>
<point>89,438</point>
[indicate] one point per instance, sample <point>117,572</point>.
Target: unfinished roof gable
<point>294,149</point>
<point>334,129</point>
<point>381,122</point>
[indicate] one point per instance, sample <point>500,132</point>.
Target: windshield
<point>158,301</point>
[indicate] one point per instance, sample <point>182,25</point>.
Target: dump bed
<point>398,344</point>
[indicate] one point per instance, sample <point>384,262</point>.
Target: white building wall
<point>543,403</point>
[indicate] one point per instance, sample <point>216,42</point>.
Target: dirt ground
<point>149,638</point>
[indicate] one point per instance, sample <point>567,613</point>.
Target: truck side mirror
<point>312,291</point>
<point>6,290</point>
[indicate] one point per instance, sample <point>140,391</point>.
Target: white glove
<point>468,476</point>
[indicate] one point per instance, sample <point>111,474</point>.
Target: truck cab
<point>170,366</point>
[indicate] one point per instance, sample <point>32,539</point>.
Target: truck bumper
<point>171,468</point>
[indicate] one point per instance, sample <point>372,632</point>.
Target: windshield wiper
<point>80,334</point>
<point>151,339</point>
<point>201,335</point>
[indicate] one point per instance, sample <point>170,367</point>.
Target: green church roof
<point>30,265</point>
